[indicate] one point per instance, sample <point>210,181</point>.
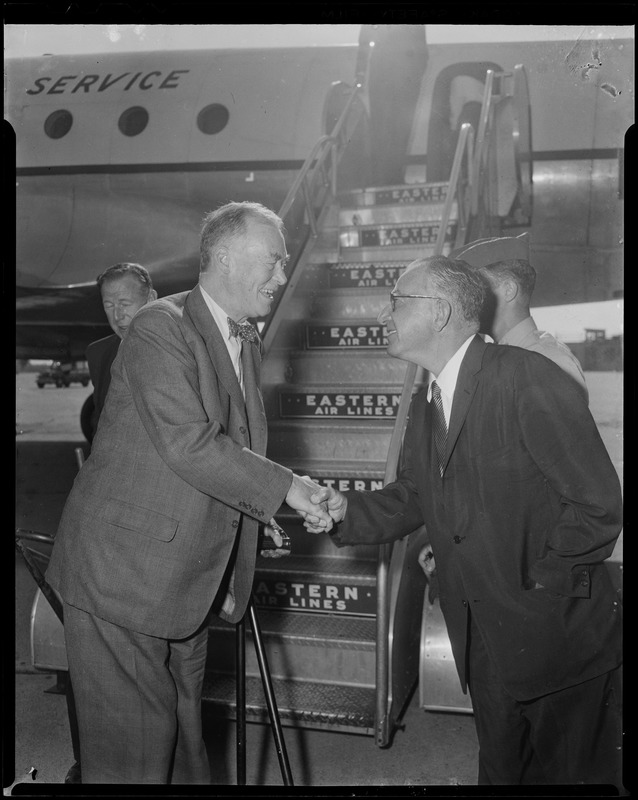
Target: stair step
<point>334,570</point>
<point>344,477</point>
<point>421,234</point>
<point>303,704</point>
<point>355,305</point>
<point>343,334</point>
<point>412,193</point>
<point>364,274</point>
<point>330,648</point>
<point>394,214</point>
<point>391,252</point>
<point>316,439</point>
<point>365,367</point>
<point>310,630</point>
<point>317,401</point>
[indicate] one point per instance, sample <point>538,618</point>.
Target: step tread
<point>317,629</point>
<point>344,469</point>
<point>290,424</point>
<point>297,702</point>
<point>325,568</point>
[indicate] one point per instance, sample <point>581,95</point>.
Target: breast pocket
<point>512,464</point>
<point>139,519</point>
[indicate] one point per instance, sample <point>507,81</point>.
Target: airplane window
<point>133,121</point>
<point>58,124</point>
<point>213,118</point>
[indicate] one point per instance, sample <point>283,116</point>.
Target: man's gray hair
<point>228,221</point>
<point>459,284</point>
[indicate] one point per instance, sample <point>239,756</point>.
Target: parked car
<point>63,375</point>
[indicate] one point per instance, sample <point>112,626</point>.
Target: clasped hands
<point>320,506</point>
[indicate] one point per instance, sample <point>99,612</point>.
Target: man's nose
<point>280,275</point>
<point>384,314</point>
<point>119,313</point>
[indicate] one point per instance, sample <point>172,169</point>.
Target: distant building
<point>597,353</point>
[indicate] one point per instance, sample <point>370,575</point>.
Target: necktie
<point>243,330</point>
<point>439,424</point>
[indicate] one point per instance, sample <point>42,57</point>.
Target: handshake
<point>319,506</point>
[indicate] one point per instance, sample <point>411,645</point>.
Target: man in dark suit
<point>161,526</point>
<point>503,463</point>
<point>124,289</point>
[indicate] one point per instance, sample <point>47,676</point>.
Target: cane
<point>35,571</point>
<point>240,666</point>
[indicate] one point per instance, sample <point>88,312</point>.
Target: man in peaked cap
<point>504,264</point>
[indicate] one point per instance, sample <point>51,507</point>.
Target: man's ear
<point>222,257</point>
<point>508,290</point>
<point>152,295</point>
<point>442,314</point>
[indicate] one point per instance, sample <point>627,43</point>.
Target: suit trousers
<point>569,737</point>
<point>138,701</point>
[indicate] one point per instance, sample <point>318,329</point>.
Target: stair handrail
<point>475,153</point>
<point>314,165</point>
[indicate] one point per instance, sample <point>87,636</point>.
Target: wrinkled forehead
<point>262,234</point>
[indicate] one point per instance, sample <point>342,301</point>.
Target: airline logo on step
<point>339,404</point>
<point>326,598</point>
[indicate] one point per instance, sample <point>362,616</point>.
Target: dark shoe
<point>74,775</point>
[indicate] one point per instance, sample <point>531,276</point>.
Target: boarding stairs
<point>343,626</point>
<point>331,396</point>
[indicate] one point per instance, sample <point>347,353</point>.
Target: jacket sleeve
<point>560,433</point>
<point>387,514</point>
<point>164,383</point>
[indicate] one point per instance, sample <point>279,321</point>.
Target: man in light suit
<point>161,526</point>
<point>124,289</point>
<point>503,463</point>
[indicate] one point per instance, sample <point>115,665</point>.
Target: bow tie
<point>243,330</point>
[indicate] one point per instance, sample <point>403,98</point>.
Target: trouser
<point>138,702</point>
<point>573,736</point>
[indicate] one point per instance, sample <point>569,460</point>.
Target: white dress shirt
<point>233,344</point>
<point>447,378</point>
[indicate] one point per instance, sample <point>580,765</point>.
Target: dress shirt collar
<point>448,377</point>
<point>219,315</point>
<point>518,333</point>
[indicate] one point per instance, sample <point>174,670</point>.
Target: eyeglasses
<point>394,296</point>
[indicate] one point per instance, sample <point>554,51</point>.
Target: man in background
<point>124,289</point>
<point>161,527</point>
<point>504,264</point>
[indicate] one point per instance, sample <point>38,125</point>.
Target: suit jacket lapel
<point>251,361</point>
<point>207,328</point>
<point>464,392</point>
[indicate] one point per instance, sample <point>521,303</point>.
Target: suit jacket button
<point>242,429</point>
<point>235,523</point>
<point>457,540</point>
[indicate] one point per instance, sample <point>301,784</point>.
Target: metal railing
<point>316,181</point>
